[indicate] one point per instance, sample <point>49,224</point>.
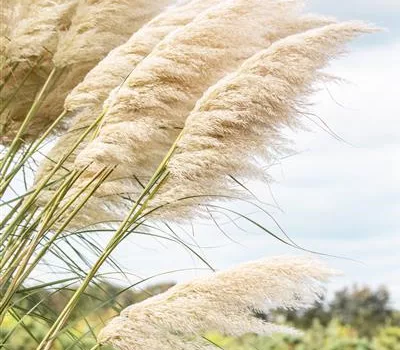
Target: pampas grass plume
<point>95,29</point>
<point>7,11</point>
<point>33,39</point>
<point>99,26</point>
<point>38,34</point>
<point>239,120</point>
<point>229,302</point>
<point>117,65</point>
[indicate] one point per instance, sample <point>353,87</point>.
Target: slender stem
<point>31,151</point>
<point>9,75</point>
<point>23,272</point>
<point>7,161</point>
<point>44,182</point>
<point>12,246</point>
<point>18,88</point>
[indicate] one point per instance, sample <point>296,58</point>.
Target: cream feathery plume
<point>32,42</point>
<point>117,65</point>
<point>101,22</point>
<point>38,34</point>
<point>240,119</point>
<point>32,27</point>
<point>96,28</point>
<point>146,114</point>
<point>233,302</point>
<point>7,13</point>
<point>13,18</point>
<point>7,10</point>
<point>85,102</point>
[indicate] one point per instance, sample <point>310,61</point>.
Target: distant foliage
<point>333,337</point>
<point>362,308</point>
<point>388,339</point>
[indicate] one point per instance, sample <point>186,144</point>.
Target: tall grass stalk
<point>20,268</point>
<point>17,141</point>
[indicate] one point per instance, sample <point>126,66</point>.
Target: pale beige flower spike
<point>233,302</point>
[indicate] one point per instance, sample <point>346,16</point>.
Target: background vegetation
<point>355,319</point>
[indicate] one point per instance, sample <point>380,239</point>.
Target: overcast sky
<point>337,198</point>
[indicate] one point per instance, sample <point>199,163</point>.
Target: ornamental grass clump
<point>143,117</point>
<point>181,115</point>
<point>233,302</point>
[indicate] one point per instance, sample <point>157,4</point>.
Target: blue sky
<point>336,198</point>
<point>384,13</point>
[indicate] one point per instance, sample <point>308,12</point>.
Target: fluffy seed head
<point>111,71</point>
<point>161,91</point>
<point>33,39</point>
<point>8,11</point>
<point>240,119</point>
<point>38,33</point>
<point>95,29</point>
<point>99,26</point>
<point>229,302</point>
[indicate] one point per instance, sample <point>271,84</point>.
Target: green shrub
<point>388,339</point>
